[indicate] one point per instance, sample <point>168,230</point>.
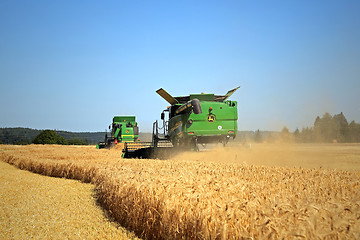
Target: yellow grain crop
<point>202,198</point>
<point>39,207</point>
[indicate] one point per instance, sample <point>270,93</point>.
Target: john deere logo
<point>211,118</point>
<point>127,131</point>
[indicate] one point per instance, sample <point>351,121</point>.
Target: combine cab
<point>123,129</point>
<point>189,121</point>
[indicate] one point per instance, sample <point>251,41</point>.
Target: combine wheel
<point>225,141</point>
<point>194,145</point>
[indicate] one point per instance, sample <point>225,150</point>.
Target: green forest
<point>22,136</point>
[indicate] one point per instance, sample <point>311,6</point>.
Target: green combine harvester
<point>190,121</point>
<point>123,129</point>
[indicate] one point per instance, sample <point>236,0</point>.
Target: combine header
<point>189,121</point>
<point>123,129</point>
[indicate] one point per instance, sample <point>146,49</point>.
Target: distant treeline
<point>330,129</point>
<point>23,136</point>
<point>326,129</point>
<point>27,135</point>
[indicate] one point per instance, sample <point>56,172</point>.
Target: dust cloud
<point>330,156</point>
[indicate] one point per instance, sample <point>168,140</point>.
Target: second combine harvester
<point>122,129</point>
<point>189,121</point>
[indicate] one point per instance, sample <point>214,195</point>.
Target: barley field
<point>298,191</point>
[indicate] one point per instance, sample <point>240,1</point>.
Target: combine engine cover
<point>201,118</point>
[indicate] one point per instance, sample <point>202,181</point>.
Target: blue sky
<point>73,65</point>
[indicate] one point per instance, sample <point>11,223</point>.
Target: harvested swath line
<point>35,206</point>
<point>200,199</point>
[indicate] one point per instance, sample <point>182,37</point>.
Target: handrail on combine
<point>157,137</point>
